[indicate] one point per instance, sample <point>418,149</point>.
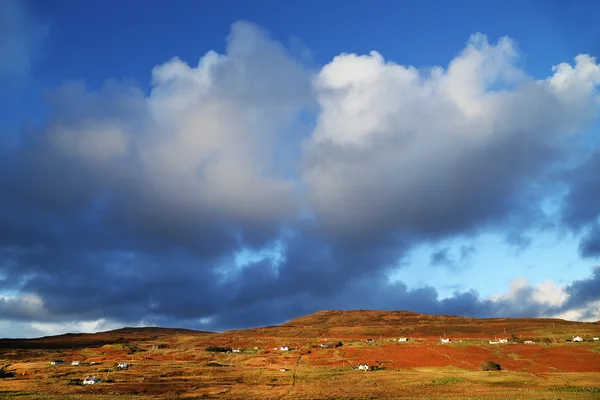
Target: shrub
<point>6,374</point>
<point>489,366</point>
<point>218,349</point>
<point>214,364</point>
<point>339,344</point>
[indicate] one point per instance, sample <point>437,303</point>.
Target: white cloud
<point>546,292</point>
<point>205,139</point>
<point>394,149</point>
<point>23,306</point>
<point>58,328</point>
<point>442,151</point>
<point>547,298</point>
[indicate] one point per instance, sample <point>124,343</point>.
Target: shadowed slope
<point>82,340</point>
<point>358,323</point>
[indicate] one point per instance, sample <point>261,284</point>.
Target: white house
<point>446,340</point>
<point>494,342</point>
<point>91,380</point>
<point>122,365</point>
<point>283,369</point>
<point>403,339</point>
<point>236,350</point>
<point>56,362</point>
<point>577,339</point>
<point>529,342</point>
<point>595,339</point>
<point>284,348</point>
<point>370,341</point>
<point>75,362</point>
<point>503,340</point>
<point>363,367</point>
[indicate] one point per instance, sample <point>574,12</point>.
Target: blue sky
<point>281,156</point>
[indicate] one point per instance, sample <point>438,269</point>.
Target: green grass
<point>446,380</point>
<point>576,389</point>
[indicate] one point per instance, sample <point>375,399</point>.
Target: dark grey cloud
<point>131,207</point>
<point>581,210</point>
<point>446,258</point>
<point>585,290</point>
<point>441,257</point>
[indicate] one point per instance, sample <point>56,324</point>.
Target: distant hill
<point>361,323</point>
<point>336,324</point>
<point>81,340</point>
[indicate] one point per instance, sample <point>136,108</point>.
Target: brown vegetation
<point>167,363</point>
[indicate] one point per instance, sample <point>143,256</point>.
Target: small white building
<point>446,340</point>
<point>577,339</point>
<point>122,365</point>
<point>504,340</point>
<point>403,339</point>
<point>595,339</point>
<point>529,342</point>
<point>370,341</point>
<point>91,380</point>
<point>56,362</point>
<point>75,362</point>
<point>284,348</point>
<point>363,367</point>
<point>236,350</point>
<point>283,369</point>
<point>494,342</point>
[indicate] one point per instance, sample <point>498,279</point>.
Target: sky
<point>233,164</point>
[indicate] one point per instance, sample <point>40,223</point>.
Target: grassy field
<point>175,364</point>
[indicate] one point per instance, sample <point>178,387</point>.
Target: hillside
<point>81,340</point>
<point>360,323</point>
<point>314,357</point>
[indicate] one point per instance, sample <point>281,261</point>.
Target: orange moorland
<point>316,357</point>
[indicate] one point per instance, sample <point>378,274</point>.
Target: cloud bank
<point>250,189</point>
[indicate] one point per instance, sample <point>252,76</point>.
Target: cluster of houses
<point>91,380</point>
<point>505,340</point>
<point>580,339</point>
<point>121,365</point>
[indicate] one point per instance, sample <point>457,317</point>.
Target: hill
<point>361,323</point>
<point>315,357</point>
<point>82,340</point>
